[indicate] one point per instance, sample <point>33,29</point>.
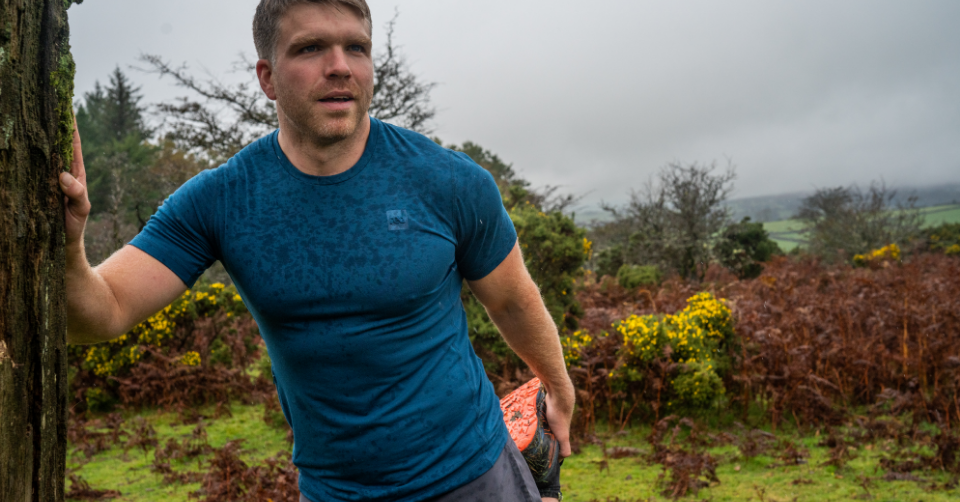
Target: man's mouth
<point>337,99</point>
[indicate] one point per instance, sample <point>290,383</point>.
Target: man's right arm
<point>106,301</point>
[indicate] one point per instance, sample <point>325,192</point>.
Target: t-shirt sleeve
<point>486,234</point>
<point>179,234</point>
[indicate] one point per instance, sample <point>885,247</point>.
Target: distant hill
<point>770,208</point>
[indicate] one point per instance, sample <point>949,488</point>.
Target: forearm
<point>528,329</point>
<point>92,309</point>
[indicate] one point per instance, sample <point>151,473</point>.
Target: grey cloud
<point>597,96</point>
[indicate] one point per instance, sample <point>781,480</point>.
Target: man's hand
<point>74,186</point>
<point>559,415</point>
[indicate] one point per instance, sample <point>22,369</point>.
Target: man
<point>348,239</point>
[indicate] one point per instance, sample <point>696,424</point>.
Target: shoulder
<point>247,165</point>
<point>246,161</point>
<point>426,153</point>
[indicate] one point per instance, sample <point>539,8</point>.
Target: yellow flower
<point>190,359</point>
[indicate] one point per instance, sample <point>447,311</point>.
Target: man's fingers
<point>74,186</point>
<point>76,166</point>
<point>79,204</point>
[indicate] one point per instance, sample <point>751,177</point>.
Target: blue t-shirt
<point>354,280</point>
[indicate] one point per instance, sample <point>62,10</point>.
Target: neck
<point>319,158</point>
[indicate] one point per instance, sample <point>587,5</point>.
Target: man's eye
<point>310,48</point>
<point>357,48</point>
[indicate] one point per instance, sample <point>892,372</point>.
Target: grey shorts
<point>509,480</point>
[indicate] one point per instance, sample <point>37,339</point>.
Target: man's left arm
<point>514,304</point>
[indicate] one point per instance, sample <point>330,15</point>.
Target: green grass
<point>130,472</point>
<point>785,232</point>
<point>629,479</point>
<point>937,215</point>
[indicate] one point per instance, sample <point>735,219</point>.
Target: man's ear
<point>265,76</point>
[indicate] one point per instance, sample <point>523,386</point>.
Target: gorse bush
<point>206,330</point>
<point>635,276</point>
<point>653,364</point>
<point>694,334</point>
<point>692,338</point>
<point>944,239</point>
<point>115,357</point>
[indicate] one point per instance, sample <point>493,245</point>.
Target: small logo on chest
<point>397,219</point>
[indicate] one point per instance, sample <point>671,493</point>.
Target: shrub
<point>554,250</point>
<point>207,329</point>
<point>944,238</point>
<point>609,260</point>
<point>114,358</point>
<point>697,386</point>
<point>690,343</point>
<point>743,247</point>
<point>99,400</point>
<point>634,276</point>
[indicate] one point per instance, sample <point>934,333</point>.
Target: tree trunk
<point>36,93</point>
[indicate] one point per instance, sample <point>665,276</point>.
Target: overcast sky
<point>597,96</point>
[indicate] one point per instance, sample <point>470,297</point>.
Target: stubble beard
<point>324,128</point>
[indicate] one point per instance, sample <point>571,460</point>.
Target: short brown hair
<point>266,22</point>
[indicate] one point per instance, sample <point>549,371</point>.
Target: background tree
<point>845,221</point>
<point>114,131</point>
<point>36,131</point>
<point>671,222</point>
<point>120,161</point>
<point>399,96</point>
<point>743,248</point>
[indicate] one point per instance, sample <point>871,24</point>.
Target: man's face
<point>322,75</point>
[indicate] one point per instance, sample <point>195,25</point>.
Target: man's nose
<point>336,64</point>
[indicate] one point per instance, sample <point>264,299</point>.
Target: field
<point>842,384</point>
<point>625,472</point>
<point>788,236</point>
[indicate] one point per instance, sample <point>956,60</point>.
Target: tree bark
<point>36,93</point>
